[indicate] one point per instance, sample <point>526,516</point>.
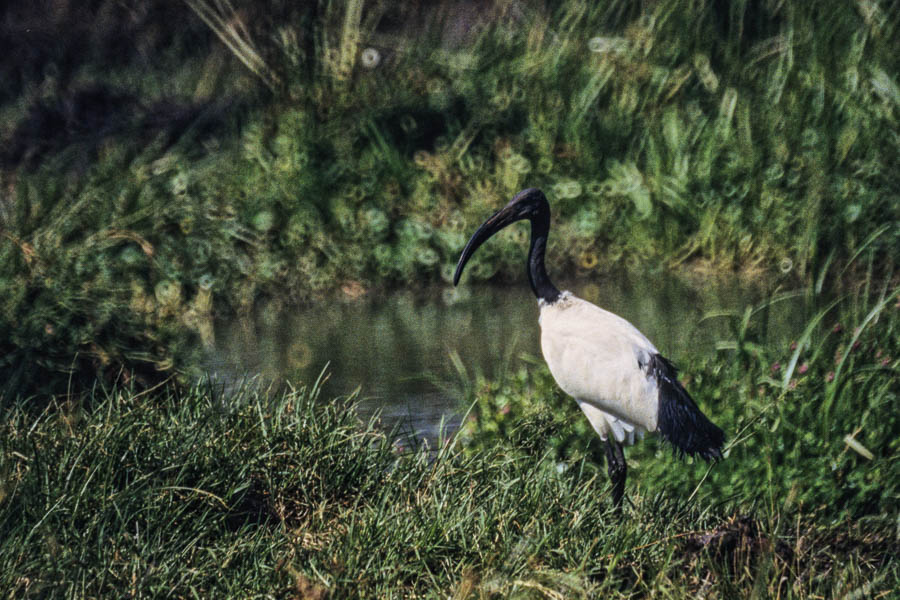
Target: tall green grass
<point>758,137</point>
<point>202,494</point>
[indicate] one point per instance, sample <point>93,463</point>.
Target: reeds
<point>228,25</point>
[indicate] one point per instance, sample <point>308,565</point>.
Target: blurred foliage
<point>813,424</point>
<point>367,144</point>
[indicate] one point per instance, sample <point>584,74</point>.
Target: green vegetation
<point>360,153</point>
<point>202,494</point>
<point>806,421</point>
<point>349,147</point>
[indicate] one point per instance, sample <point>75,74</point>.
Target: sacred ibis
<point>619,379</point>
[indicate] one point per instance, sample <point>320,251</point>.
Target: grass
<point>168,495</point>
<point>195,492</point>
<point>345,155</point>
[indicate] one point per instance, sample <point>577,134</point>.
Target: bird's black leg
<point>615,462</point>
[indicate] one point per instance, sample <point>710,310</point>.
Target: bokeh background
<point>166,160</point>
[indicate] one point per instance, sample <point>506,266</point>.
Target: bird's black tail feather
<point>680,422</point>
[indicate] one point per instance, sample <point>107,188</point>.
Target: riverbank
<point>196,491</point>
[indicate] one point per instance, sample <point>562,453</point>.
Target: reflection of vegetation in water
<point>387,344</point>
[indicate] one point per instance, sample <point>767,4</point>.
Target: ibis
<point>622,383</point>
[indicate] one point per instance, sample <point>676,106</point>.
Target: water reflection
<point>393,348</point>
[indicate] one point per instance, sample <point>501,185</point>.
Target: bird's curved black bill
<point>500,219</point>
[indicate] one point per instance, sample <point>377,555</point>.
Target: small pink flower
<point>793,345</point>
<point>505,410</point>
<point>803,368</point>
<point>793,384</point>
<point>776,366</point>
<point>885,361</point>
<point>829,377</point>
<point>838,328</point>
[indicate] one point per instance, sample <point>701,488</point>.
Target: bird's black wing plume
<point>680,422</point>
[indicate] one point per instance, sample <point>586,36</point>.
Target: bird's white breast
<point>596,357</point>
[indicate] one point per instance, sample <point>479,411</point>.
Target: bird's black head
<point>528,204</point>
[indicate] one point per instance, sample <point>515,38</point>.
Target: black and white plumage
<point>622,383</point>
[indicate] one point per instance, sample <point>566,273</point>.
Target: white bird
<point>624,386</point>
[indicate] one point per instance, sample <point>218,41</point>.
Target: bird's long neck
<point>537,273</point>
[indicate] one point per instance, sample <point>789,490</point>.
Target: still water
<point>396,349</point>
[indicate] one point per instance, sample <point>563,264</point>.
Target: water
<point>395,348</point>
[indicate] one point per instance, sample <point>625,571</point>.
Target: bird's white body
<point>622,383</point>
<point>601,360</point>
